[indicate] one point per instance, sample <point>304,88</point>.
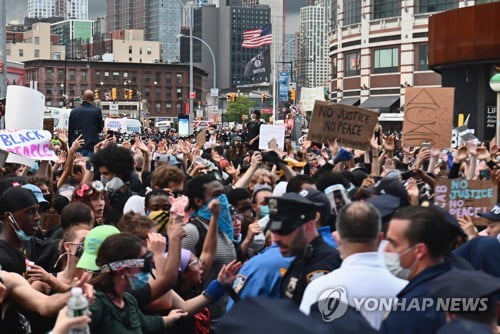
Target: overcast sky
<point>16,10</point>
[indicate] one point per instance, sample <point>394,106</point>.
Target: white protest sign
<point>115,124</point>
<point>24,108</point>
<point>309,95</point>
<point>18,159</point>
<point>33,144</point>
<point>271,135</point>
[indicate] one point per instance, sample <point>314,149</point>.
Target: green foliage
<point>238,108</point>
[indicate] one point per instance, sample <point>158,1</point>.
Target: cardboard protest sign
<point>24,108</point>
<point>428,116</point>
<point>466,197</point>
<point>351,126</point>
<point>33,144</point>
<point>201,138</point>
<point>271,136</point>
<point>48,124</point>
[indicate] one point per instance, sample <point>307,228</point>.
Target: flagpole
<point>274,83</point>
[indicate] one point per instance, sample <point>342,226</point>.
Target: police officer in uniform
<point>292,222</point>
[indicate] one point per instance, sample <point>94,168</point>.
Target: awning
<point>350,101</point>
<point>380,103</point>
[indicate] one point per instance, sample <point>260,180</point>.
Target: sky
<point>16,10</point>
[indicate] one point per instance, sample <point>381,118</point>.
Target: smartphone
<point>426,145</point>
<point>110,133</point>
<point>78,133</point>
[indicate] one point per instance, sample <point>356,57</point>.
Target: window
<point>147,77</point>
<point>56,56</point>
<point>83,76</point>
<point>352,64</point>
<point>179,78</point>
<point>386,60</point>
<point>168,77</point>
<point>148,50</point>
<point>423,63</point>
<point>60,75</point>
<point>72,75</point>
<point>179,93</point>
<point>385,8</point>
<point>98,75</point>
<point>334,67</point>
<point>48,90</point>
<point>427,6</point>
<point>37,40</point>
<point>49,73</point>
<point>130,49</point>
<point>116,76</point>
<point>157,91</point>
<point>147,92</point>
<point>21,53</point>
<point>72,90</point>
<point>352,12</point>
<point>158,107</point>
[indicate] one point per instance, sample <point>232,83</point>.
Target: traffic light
<point>113,93</point>
<point>96,94</point>
<point>125,94</point>
<point>130,94</point>
<point>231,97</point>
<point>293,95</point>
<point>263,97</point>
<point>228,97</point>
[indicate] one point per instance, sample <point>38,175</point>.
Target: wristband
<point>214,290</point>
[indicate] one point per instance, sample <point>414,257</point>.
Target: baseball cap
<point>318,197</point>
<point>15,199</point>
<point>38,194</point>
<point>93,241</point>
<point>394,187</point>
<point>289,212</point>
<point>493,215</point>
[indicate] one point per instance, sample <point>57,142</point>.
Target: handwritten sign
<point>271,136</point>
<point>428,116</point>
<point>351,126</point>
<point>465,198</point>
<point>201,138</point>
<point>34,144</point>
<point>115,124</point>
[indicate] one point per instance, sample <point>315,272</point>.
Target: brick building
<point>164,88</point>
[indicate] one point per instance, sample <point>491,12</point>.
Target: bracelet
<point>214,291</point>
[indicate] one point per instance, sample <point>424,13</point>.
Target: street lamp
<point>274,76</point>
<point>214,85</point>
<point>495,86</point>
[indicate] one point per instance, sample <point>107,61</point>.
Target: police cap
<point>289,212</point>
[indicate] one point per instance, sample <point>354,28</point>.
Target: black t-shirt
<point>253,128</point>
<point>11,259</point>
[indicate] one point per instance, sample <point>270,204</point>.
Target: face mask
<point>21,235</point>
<point>224,221</point>
<point>264,211</point>
<point>138,280</point>
<point>48,198</point>
<point>393,263</point>
<point>161,218</point>
<point>79,250</point>
<point>211,132</point>
<point>104,180</point>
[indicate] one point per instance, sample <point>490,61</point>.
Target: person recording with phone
<point>87,120</point>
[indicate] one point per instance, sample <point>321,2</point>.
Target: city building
<point>72,9</point>
<point>72,34</point>
<point>16,75</point>
<point>162,89</point>
<point>160,20</point>
<point>124,46</point>
<point>41,9</point>
<point>467,55</point>
<point>233,21</point>
<point>378,48</point>
<point>37,43</point>
<point>313,63</point>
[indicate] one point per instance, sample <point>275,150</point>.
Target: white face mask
<point>393,263</point>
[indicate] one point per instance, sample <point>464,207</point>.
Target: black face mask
<point>48,198</point>
<point>79,250</point>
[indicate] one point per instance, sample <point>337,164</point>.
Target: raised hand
<point>228,272</point>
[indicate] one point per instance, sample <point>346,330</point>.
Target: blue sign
<point>283,86</point>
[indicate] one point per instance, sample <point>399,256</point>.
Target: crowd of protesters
<point>180,235</point>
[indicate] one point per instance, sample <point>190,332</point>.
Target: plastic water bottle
<point>78,305</point>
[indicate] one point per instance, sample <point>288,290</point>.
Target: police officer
<point>292,222</point>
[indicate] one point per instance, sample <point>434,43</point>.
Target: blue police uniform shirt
<point>261,275</point>
<point>326,234</point>
<point>416,320</point>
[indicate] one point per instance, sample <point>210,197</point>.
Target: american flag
<point>257,37</point>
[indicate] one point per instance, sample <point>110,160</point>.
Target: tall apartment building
<point>41,9</point>
<point>313,63</point>
<point>72,9</point>
<point>233,20</point>
<point>160,20</point>
<point>72,34</point>
<point>37,43</point>
<point>378,48</point>
<point>290,56</point>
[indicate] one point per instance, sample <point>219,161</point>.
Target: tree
<point>241,106</point>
